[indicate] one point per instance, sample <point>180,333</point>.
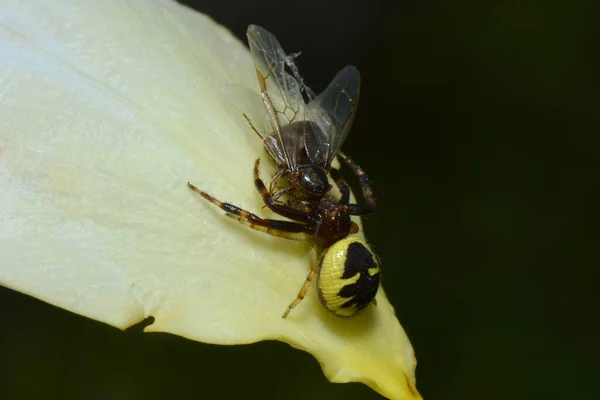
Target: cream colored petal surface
<point>108,109</point>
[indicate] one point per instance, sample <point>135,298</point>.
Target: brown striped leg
<point>311,275</point>
<point>284,229</point>
<point>365,184</point>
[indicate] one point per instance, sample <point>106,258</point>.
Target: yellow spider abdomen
<point>348,277</point>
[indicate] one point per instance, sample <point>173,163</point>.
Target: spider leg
<point>365,184</point>
<point>281,209</point>
<point>341,185</point>
<point>345,192</point>
<point>274,227</point>
<point>302,293</point>
<point>274,190</point>
<point>283,229</point>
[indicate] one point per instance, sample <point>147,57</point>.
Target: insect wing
<point>333,110</point>
<point>303,87</point>
<point>280,94</point>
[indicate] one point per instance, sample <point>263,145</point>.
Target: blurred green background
<point>479,124</point>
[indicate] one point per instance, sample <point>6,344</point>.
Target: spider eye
<point>348,277</point>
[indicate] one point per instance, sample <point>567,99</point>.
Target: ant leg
<point>275,179</point>
<point>281,191</point>
<point>365,184</point>
<point>253,127</point>
<point>283,229</point>
<point>302,293</point>
<point>281,209</point>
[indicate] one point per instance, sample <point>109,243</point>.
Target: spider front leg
<point>365,184</point>
<point>283,229</point>
<point>341,185</point>
<point>345,195</point>
<point>270,201</point>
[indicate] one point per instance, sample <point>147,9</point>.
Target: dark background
<point>479,125</point>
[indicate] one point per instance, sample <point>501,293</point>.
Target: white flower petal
<point>108,109</point>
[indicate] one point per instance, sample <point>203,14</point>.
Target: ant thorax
<point>297,152</point>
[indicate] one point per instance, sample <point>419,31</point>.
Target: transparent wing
<point>303,87</point>
<point>281,95</point>
<point>333,110</point>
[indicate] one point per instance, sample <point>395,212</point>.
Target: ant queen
<point>303,141</point>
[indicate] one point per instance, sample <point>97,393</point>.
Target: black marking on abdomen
<point>359,260</point>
